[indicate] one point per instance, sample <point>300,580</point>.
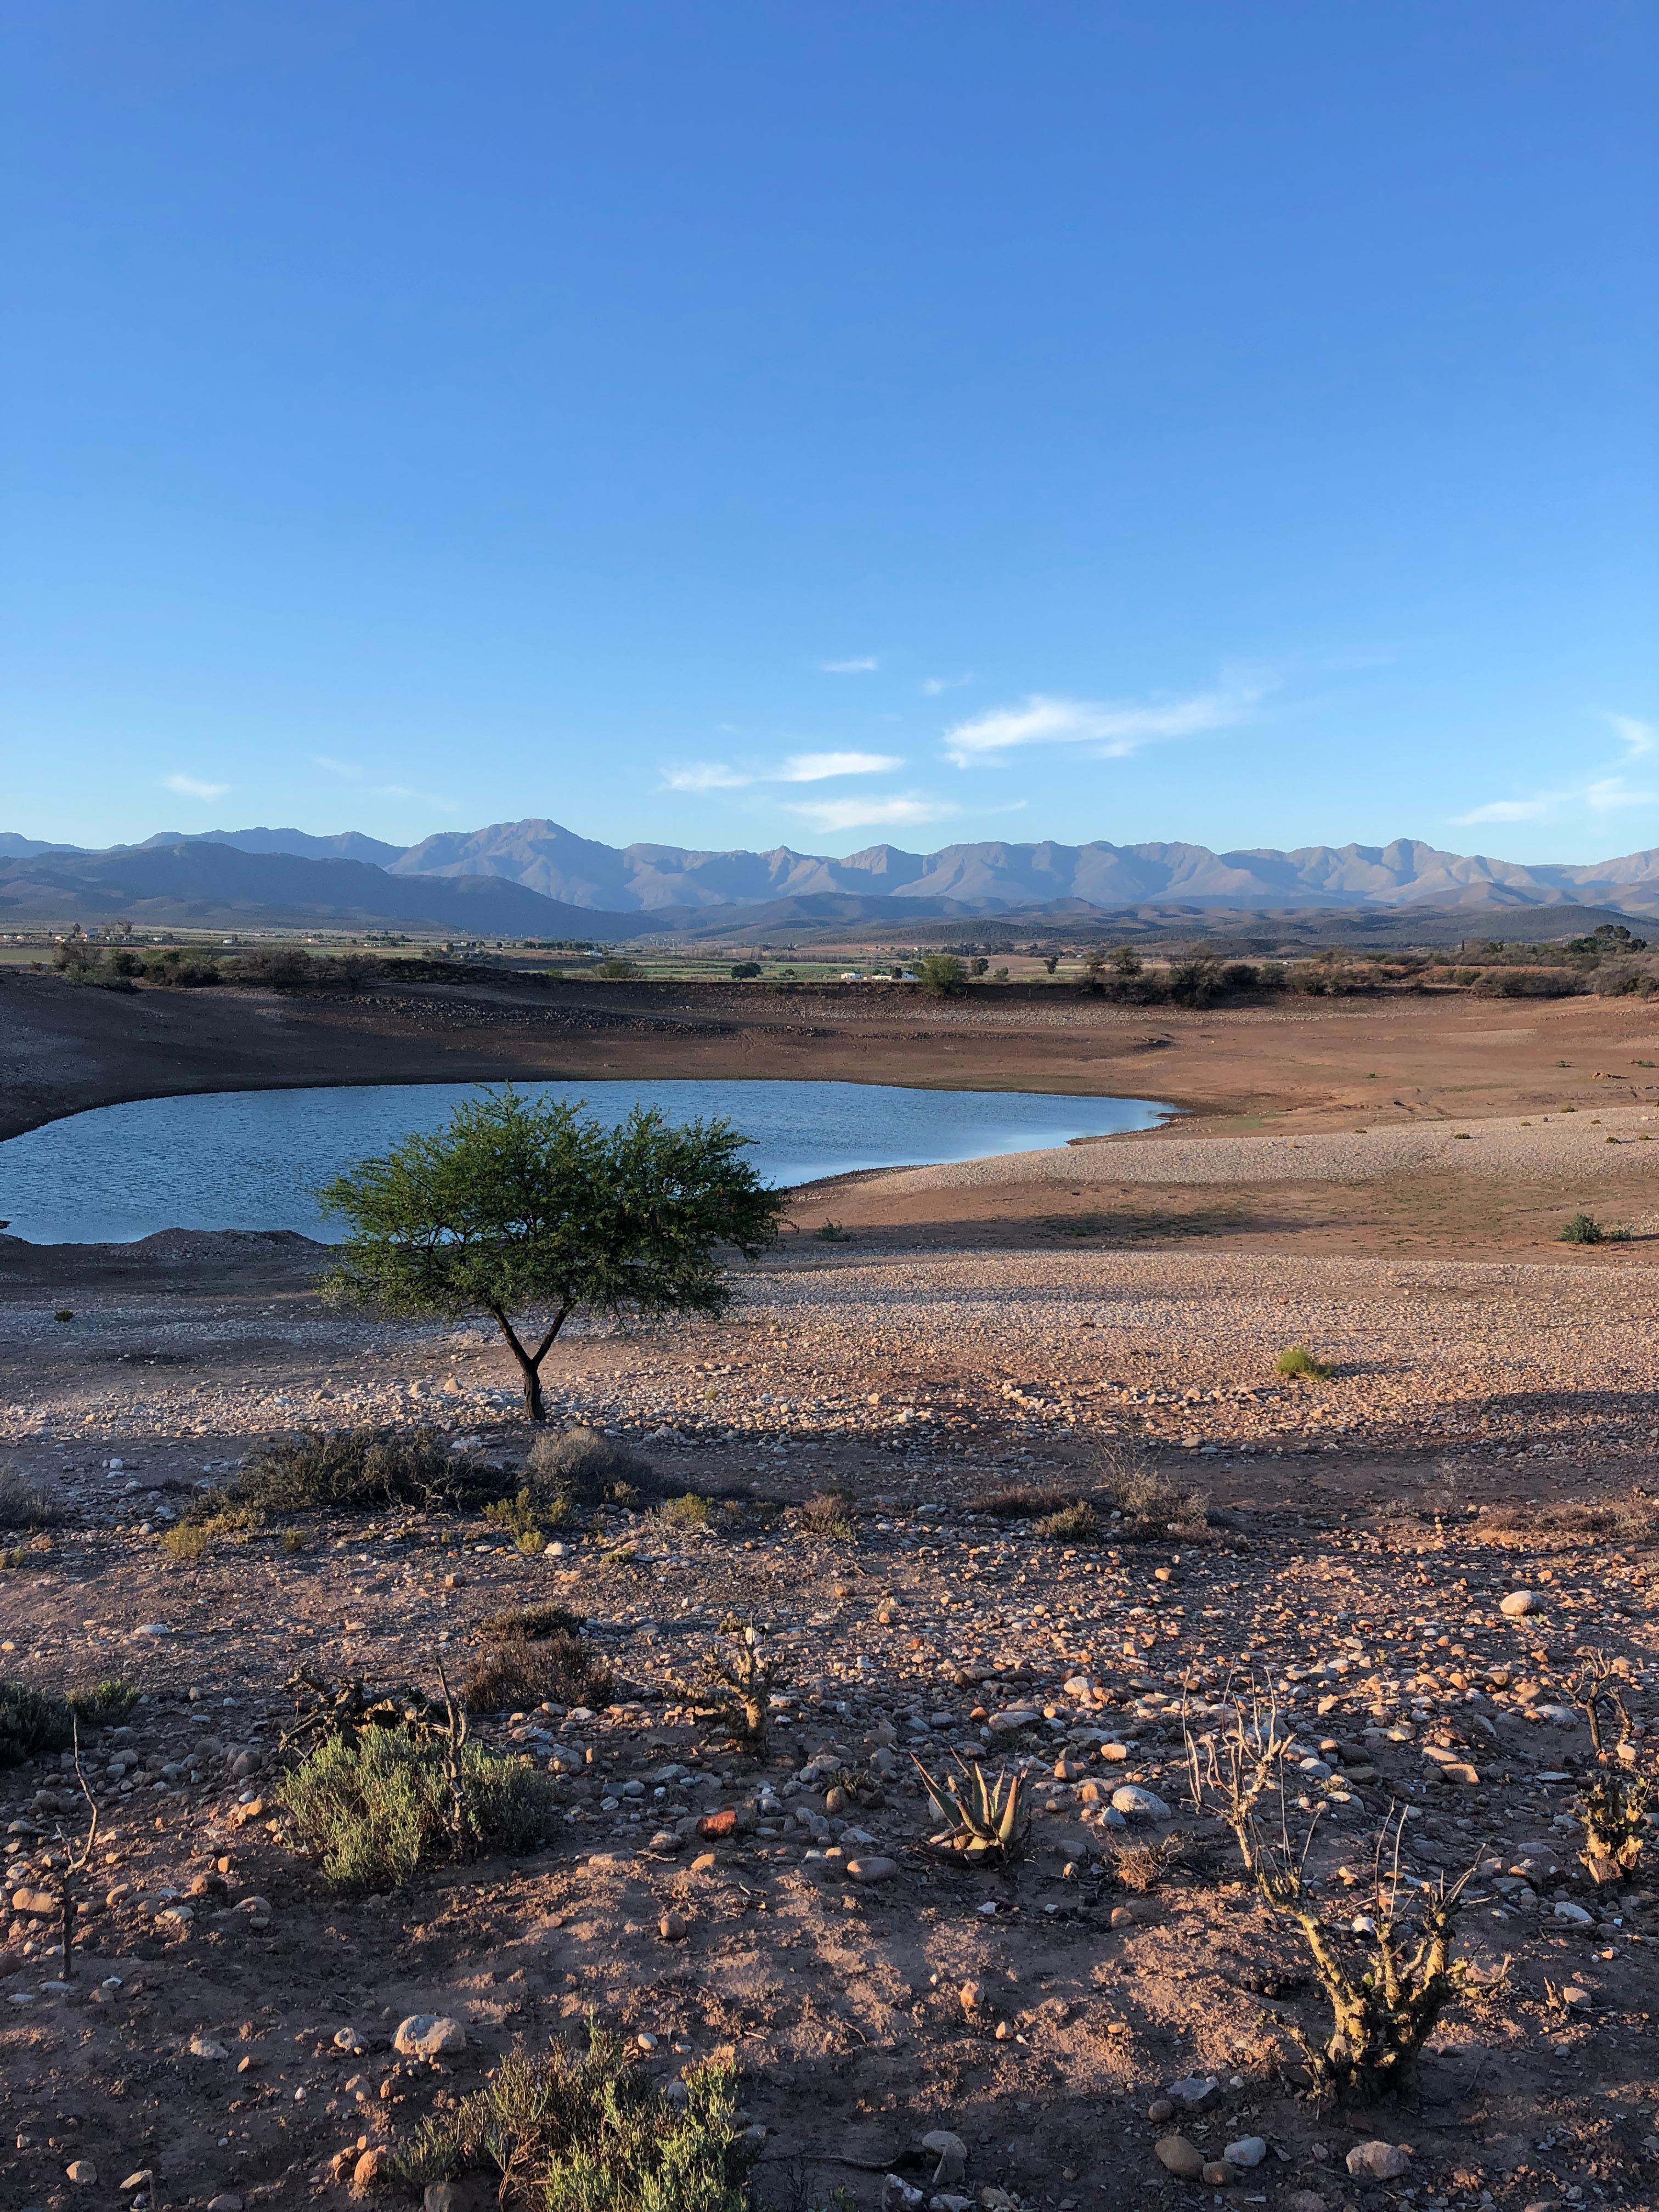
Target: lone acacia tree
<point>531,1209</point>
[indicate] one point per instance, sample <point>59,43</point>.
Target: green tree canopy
<point>531,1212</point>
<point>942,973</point>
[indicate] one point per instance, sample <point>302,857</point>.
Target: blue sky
<point>729,424</point>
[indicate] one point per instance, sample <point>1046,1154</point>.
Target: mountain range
<point>535,877</point>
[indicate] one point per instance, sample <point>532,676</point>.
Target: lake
<point>252,1159</point>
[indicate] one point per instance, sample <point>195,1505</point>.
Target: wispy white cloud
<point>865,667</point>
<point>934,684</point>
<point>1636,737</point>
<point>1509,810</point>
<point>814,767</point>
<point>828,815</point>
<point>705,776</point>
<point>350,772</point>
<point>192,786</point>
<point>1112,728</point>
<point>1611,793</point>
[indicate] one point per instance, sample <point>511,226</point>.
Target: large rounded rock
<point>1179,2157</point>
<point>1520,1602</point>
<point>1379,2162</point>
<point>1137,1804</point>
<point>429,2035</point>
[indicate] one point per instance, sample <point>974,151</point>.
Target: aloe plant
<point>981,1819</point>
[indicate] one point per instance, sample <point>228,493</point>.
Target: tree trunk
<point>530,1363</point>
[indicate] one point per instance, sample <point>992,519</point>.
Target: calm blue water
<point>251,1159</point>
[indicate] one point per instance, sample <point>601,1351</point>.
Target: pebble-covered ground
<point>230,2026</point>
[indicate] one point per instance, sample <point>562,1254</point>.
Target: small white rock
<point>1520,1602</point>
<point>1248,2151</point>
<point>1137,1804</point>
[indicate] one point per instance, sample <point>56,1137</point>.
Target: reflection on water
<point>251,1159</point>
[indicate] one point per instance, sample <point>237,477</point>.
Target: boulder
<point>429,2035</point>
<point>1379,2162</point>
<point>1179,2157</point>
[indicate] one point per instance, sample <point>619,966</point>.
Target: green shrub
<point>376,1810</point>
<point>1296,1359</point>
<point>186,1545</point>
<point>1073,1524</point>
<point>32,1722</point>
<point>689,1511</point>
<point>942,974</point>
<point>518,1515</point>
<point>1585,1229</point>
<point>102,1703</point>
<point>590,2134</point>
<point>363,1467</point>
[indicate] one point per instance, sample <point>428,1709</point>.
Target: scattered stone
<point>1248,2151</point>
<point>1161,2109</point>
<point>953,2155</point>
<point>1195,2093</point>
<point>81,2171</point>
<point>1573,1916</point>
<point>897,2196</point>
<point>1122,1917</point>
<point>1179,2157</point>
<point>1379,2162</point>
<point>226,2201</point>
<point>207,2046</point>
<point>1218,2173</point>
<point>723,1823</point>
<point>1137,1804</point>
<point>347,2038</point>
<point>673,1928</point>
<point>429,2035</point>
<point>705,1862</point>
<point>1520,1602</point>
<point>371,2166</point>
<point>874,1869</point>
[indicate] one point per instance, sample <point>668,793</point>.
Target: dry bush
<point>691,1511</point>
<point>1141,1866</point>
<point>523,1671</point>
<point>1632,1520</point>
<point>186,1545</point>
<point>363,1467</point>
<point>828,1514</point>
<point>582,1466</point>
<point>26,1505</point>
<point>1296,1359</point>
<point>1073,1524</point>
<point>1386,1986</point>
<point>1026,1505</point>
<point>32,1721</point>
<point>533,1622</point>
<point>1153,1506</point>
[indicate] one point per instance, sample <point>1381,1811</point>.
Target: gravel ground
<point>1555,1143</point>
<point>929,1358</point>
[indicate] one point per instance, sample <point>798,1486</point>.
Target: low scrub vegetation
<point>737,1684</point>
<point>1076,1523</point>
<point>1585,1229</point>
<point>186,1545</point>
<point>827,1514</point>
<point>522,1671</point>
<point>984,1821</point>
<point>584,1467</point>
<point>35,1723</point>
<point>361,1469</point>
<point>1388,1980</point>
<point>1632,1520</point>
<point>375,1807</point>
<point>26,1505</point>
<point>1018,1504</point>
<point>588,2133</point>
<point>1296,1360</point>
<point>1152,1506</point>
<point>533,1622</point>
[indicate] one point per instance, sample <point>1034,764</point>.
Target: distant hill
<point>996,877</point>
<point>204,885</point>
<point>615,891</point>
<point>347,845</point>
